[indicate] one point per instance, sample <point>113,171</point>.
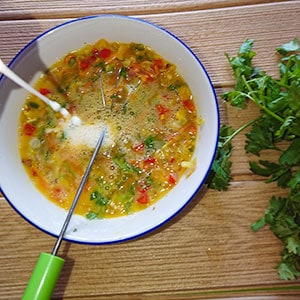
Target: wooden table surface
<point>208,251</point>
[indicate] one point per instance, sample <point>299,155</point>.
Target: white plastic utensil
<point>53,104</point>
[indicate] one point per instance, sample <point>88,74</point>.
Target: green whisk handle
<point>44,277</point>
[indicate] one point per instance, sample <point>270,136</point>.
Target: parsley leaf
<point>279,121</point>
<point>292,46</point>
<point>291,156</point>
<point>219,176</point>
<point>260,137</point>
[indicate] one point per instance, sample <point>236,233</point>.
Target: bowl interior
<point>41,53</point>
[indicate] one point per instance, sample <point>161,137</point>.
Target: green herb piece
<point>101,65</point>
<point>292,46</point>
<point>128,206</point>
<point>67,168</point>
<point>52,122</point>
<point>126,166</point>
<point>63,136</point>
<point>127,198</point>
<point>99,198</point>
<point>91,215</point>
<point>72,62</point>
<point>291,156</point>
<point>140,57</point>
<point>172,87</point>
<point>138,47</point>
<point>274,171</point>
<point>219,177</point>
<point>279,121</point>
<point>260,136</point>
<point>153,143</point>
<point>102,201</point>
<point>33,104</point>
<point>123,72</point>
<point>149,142</point>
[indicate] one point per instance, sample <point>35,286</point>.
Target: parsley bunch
<point>276,128</point>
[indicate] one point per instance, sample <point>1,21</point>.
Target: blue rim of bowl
<point>215,149</point>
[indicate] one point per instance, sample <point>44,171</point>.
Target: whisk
<point>117,96</point>
<point>49,266</point>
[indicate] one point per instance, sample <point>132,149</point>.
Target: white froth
<point>87,134</point>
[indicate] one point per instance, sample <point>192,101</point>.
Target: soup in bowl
<point>158,106</point>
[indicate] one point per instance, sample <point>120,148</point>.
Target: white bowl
<point>40,54</point>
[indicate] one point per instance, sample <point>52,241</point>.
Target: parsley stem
<point>255,100</point>
<point>237,131</point>
<point>285,77</point>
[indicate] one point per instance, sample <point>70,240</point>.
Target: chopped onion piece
<point>35,143</point>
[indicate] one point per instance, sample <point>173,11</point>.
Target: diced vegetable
<point>142,198</point>
<point>140,97</point>
<point>45,91</point>
<point>105,53</point>
<point>172,179</point>
<point>162,110</point>
<point>139,147</point>
<point>84,64</point>
<point>189,104</point>
<point>29,129</point>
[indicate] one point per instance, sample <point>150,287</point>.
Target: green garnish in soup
<point>152,127</point>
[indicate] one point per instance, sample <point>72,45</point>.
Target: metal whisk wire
<point>117,81</point>
<point>131,93</point>
<point>101,87</point>
<point>116,86</point>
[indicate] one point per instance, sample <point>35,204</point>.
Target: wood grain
<point>209,245</point>
<point>19,9</point>
<point>209,33</point>
<point>208,250</point>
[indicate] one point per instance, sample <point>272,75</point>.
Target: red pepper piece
<point>143,198</point>
<point>159,63</point>
<point>150,78</point>
<point>189,105</point>
<point>29,129</point>
<point>95,51</point>
<point>44,91</point>
<point>105,53</point>
<point>192,130</point>
<point>84,64</point>
<point>150,161</point>
<point>172,179</point>
<point>143,187</point>
<point>161,109</point>
<point>72,109</point>
<point>139,147</point>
